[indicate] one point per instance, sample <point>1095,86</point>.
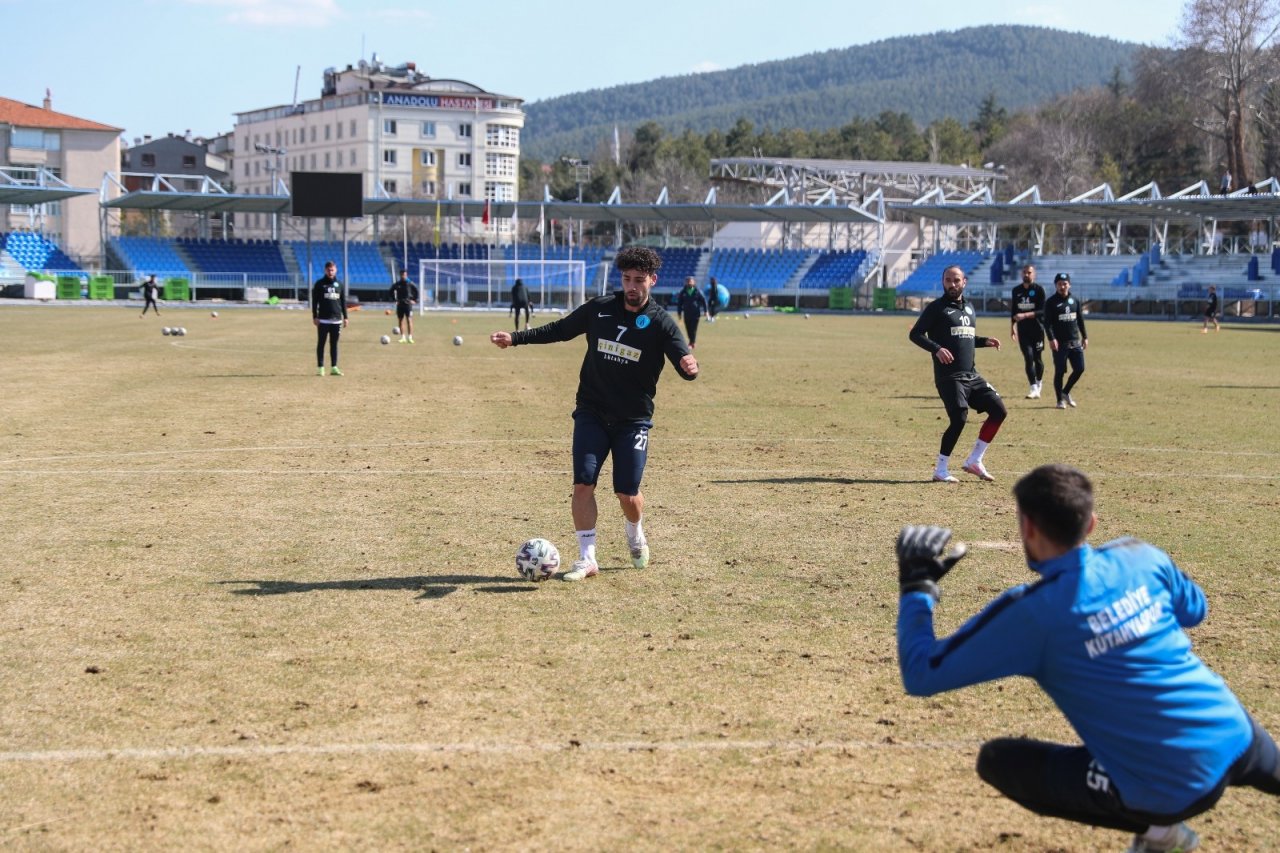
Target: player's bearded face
<point>635,288</point>
<point>953,283</point>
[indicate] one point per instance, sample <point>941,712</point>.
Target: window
<point>464,159</point>
<point>389,156</point>
<point>339,130</point>
<point>326,156</point>
<point>429,188</point>
<point>498,192</point>
<point>148,161</point>
<point>278,138</point>
<point>313,159</point>
<point>188,161</point>
<point>246,168</point>
<point>257,166</point>
<point>313,133</point>
<point>464,130</point>
<point>464,190</point>
<point>428,130</point>
<point>502,136</point>
<point>499,165</point>
<point>427,158</point>
<point>388,127</point>
<point>390,187</point>
<point>32,137</point>
<point>353,127</point>
<point>327,129</point>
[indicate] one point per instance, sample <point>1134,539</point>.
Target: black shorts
<point>403,310</point>
<point>594,440</point>
<point>968,391</point>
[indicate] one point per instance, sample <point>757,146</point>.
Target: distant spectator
<point>1224,184</point>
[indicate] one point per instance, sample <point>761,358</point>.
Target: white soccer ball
<point>395,330</point>
<point>457,340</point>
<point>182,330</point>
<point>166,331</point>
<point>214,315</point>
<point>806,316</point>
<point>385,339</point>
<point>537,560</point>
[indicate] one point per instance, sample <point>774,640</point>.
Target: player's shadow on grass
<point>800,481</point>
<point>431,586</point>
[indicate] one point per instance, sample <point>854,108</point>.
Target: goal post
<point>446,283</point>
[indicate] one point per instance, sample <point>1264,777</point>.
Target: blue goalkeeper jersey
<point>1101,633</point>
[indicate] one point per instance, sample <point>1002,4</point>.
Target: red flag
<point>484,219</point>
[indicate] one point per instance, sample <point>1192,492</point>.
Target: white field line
<point>558,442</point>
<point>50,756</point>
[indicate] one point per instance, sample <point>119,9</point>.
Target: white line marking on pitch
<point>268,750</point>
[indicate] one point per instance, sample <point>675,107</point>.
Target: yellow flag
<point>437,239</point>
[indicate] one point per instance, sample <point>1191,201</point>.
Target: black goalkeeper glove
<point>921,562</point>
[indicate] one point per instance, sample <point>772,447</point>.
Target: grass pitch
<point>245,607</point>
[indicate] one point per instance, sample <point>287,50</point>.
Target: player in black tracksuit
<point>1026,312</point>
<point>1067,338</point>
<point>405,294</point>
<point>1210,310</point>
<point>628,337</point>
<point>329,314</point>
<point>692,305</point>
<point>520,302</point>
<point>946,329</point>
<point>149,291</point>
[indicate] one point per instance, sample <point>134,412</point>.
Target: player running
<point>946,329</point>
<point>1026,312</point>
<point>628,336</point>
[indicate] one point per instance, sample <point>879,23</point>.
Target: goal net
<point>487,284</point>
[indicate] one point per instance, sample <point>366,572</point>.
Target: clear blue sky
<point>160,66</point>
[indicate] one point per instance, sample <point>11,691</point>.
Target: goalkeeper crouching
<point>1102,632</point>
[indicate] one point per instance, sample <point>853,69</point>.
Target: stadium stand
<point>756,269</point>
<point>927,278</point>
<point>835,269</point>
<point>367,269</point>
<point>147,255</point>
<point>677,264</point>
<point>36,253</point>
<point>233,256</point>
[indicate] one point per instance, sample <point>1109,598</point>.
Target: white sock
<point>586,544</point>
<point>941,468</point>
<point>979,448</point>
<point>635,532</point>
<point>1158,833</point>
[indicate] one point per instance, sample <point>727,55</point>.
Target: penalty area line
<point>52,756</point>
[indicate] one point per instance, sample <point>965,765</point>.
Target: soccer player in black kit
<point>329,314</point>
<point>520,302</point>
<point>946,329</point>
<point>1026,309</point>
<point>692,305</point>
<point>1066,337</point>
<point>405,293</point>
<point>628,336</point>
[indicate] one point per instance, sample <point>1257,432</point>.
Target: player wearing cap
<point>1067,338</point>
<point>1026,310</point>
<point>946,329</point>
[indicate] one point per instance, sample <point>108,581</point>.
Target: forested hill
<point>927,77</point>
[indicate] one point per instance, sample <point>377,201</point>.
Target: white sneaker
<point>1035,392</point>
<point>978,470</point>
<point>1069,401</point>
<point>944,478</point>
<point>640,555</point>
<point>1182,840</point>
<point>1062,404</point>
<point>582,569</point>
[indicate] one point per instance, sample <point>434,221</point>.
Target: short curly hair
<point>640,259</point>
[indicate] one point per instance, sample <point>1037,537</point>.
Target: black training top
<point>944,323</point>
<point>691,303</point>
<point>404,291</point>
<point>1064,319</point>
<point>625,349</point>
<point>1213,303</point>
<point>519,294</point>
<point>327,303</point>
<point>1028,298</point>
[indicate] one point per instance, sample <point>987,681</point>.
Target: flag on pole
<point>437,232</point>
<point>484,217</point>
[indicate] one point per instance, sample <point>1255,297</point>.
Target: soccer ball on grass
<point>537,560</point>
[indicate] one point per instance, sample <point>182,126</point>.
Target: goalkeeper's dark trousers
<point>330,331</point>
<point>1065,782</point>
